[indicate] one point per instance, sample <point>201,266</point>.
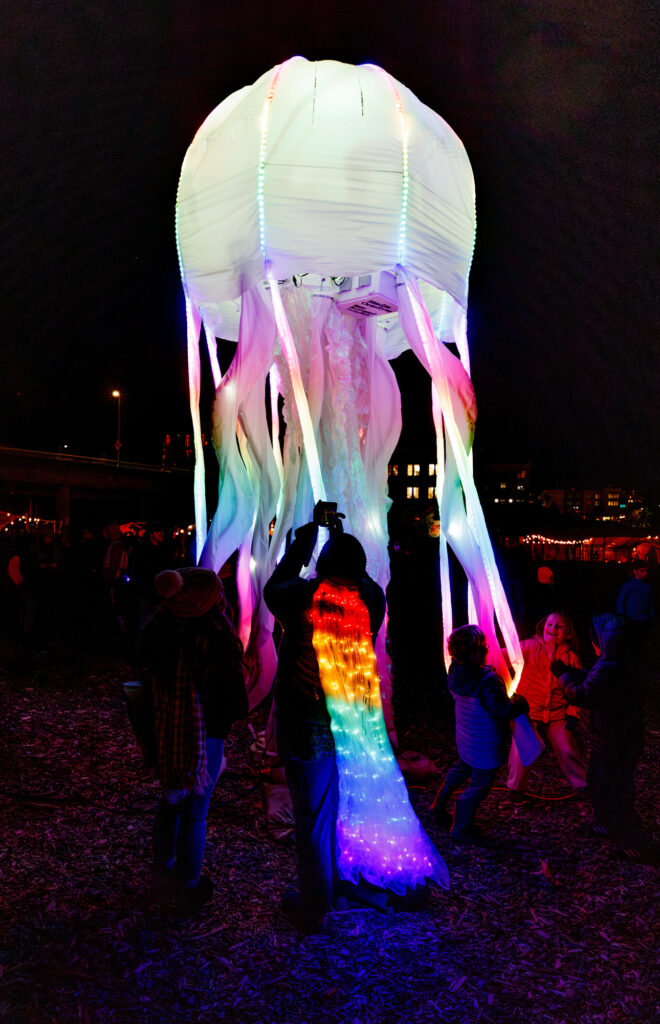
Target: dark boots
<point>464,812</point>
<point>440,813</point>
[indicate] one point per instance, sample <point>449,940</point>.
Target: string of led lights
<point>405,174</point>
<point>379,837</point>
<point>537,538</point>
<point>261,173</point>
<point>283,328</point>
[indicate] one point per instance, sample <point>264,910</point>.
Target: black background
<point>557,106</point>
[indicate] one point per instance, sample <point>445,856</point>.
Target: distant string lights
<point>10,519</point>
<point>538,538</point>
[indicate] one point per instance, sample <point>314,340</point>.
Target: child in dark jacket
<point>483,711</point>
<point>610,692</point>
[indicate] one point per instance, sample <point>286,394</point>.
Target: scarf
<point>379,836</point>
<point>180,736</point>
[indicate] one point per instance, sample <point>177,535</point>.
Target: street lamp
<point>117,395</point>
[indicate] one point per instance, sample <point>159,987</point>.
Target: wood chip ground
<point>545,925</point>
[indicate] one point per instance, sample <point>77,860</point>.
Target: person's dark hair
<point>342,557</point>
<point>611,635</point>
<point>467,645</point>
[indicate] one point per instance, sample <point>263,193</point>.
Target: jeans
<point>314,793</point>
<point>480,785</point>
<point>180,829</point>
<point>611,786</point>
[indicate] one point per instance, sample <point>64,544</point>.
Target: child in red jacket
<point>549,711</point>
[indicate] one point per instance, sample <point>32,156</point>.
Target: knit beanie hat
<point>342,557</point>
<point>189,593</point>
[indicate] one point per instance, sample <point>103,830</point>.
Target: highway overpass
<point>81,491</point>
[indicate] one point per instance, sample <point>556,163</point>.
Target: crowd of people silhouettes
<point>179,626</point>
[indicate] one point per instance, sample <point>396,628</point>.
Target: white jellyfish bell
<point>325,221</point>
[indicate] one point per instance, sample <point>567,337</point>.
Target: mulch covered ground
<point>545,924</point>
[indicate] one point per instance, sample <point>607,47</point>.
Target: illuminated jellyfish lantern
<point>325,222</point>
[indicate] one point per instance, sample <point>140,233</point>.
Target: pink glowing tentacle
<point>497,594</point>
<point>244,588</point>
<point>275,389</point>
<point>445,585</point>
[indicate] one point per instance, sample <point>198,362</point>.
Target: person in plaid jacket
<point>194,667</point>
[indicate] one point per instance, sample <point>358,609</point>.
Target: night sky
<point>556,104</point>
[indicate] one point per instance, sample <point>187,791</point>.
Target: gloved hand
<point>306,532</point>
<point>306,536</point>
<point>558,667</point>
<point>520,705</point>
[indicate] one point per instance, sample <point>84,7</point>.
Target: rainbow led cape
<point>379,836</point>
<point>317,175</point>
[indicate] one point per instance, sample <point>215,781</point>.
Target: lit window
<point>410,469</point>
<point>416,469</point>
<point>432,469</point>
<point>431,492</point>
<point>415,491</point>
<point>502,487</point>
<point>393,470</point>
<point>412,492</point>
